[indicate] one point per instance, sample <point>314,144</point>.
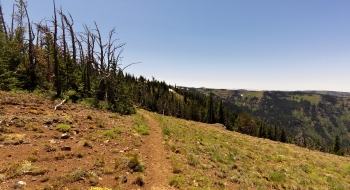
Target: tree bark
<point>55,52</point>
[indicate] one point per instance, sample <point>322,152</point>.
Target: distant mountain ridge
<point>323,92</point>
<point>313,117</point>
<point>331,93</point>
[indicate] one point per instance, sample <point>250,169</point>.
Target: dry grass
<point>223,159</point>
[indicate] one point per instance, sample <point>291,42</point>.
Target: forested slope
<point>311,119</point>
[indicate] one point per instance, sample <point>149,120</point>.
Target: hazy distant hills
<point>332,93</point>
<point>313,118</point>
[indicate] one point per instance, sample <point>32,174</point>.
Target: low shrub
<point>141,129</point>
<point>166,131</point>
<point>176,181</point>
<point>63,128</point>
<point>110,134</point>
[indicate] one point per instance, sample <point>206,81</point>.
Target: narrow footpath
<point>153,151</point>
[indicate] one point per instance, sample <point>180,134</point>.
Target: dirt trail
<point>158,167</point>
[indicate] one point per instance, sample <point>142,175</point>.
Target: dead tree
<point>2,20</point>
<point>12,19</point>
<point>89,39</point>
<point>101,54</point>
<point>31,52</point>
<point>71,31</point>
<point>55,52</point>
<point>48,42</point>
<point>81,53</point>
<point>64,44</point>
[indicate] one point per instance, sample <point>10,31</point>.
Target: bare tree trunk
<point>90,57</point>
<point>13,17</point>
<point>49,45</point>
<point>64,46</point>
<point>103,84</point>
<point>3,23</point>
<point>57,77</point>
<point>102,65</point>
<point>71,31</point>
<point>82,55</point>
<point>31,52</point>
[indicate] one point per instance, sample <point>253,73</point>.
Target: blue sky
<point>249,44</point>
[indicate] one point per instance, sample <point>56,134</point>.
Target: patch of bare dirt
<point>158,166</point>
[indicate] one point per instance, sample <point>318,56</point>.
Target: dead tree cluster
<point>57,57</point>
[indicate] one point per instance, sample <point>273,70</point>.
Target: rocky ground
<point>77,147</point>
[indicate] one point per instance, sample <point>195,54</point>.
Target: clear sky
<point>233,44</point>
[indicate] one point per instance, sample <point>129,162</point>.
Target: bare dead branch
<point>58,105</point>
<point>130,65</point>
<point>99,41</point>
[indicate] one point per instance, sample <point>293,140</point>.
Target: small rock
<point>33,179</point>
<point>45,179</point>
<point>48,122</point>
<point>123,179</point>
<point>65,136</point>
<point>26,142</point>
<point>19,185</point>
<point>46,148</point>
<point>66,148</point>
<point>195,183</point>
<point>2,177</point>
<point>52,141</point>
<point>76,130</point>
<point>106,141</point>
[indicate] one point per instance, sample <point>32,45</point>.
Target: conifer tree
<point>336,145</point>
<point>210,109</point>
<point>220,113</point>
<point>283,136</point>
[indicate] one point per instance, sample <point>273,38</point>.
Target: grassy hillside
<point>208,156</point>
<point>79,147</point>
<point>311,119</point>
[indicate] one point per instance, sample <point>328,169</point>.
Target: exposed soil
<point>33,151</point>
<point>159,168</point>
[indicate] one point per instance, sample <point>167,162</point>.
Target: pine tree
<point>220,113</point>
<point>210,109</point>
<point>269,132</point>
<point>283,136</point>
<point>245,123</point>
<point>336,145</point>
